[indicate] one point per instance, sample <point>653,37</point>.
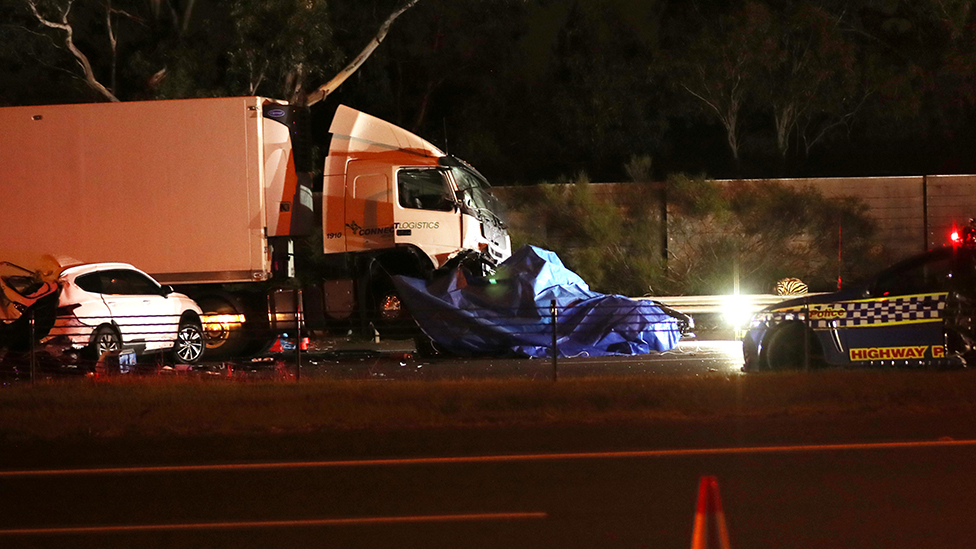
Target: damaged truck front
<point>215,197</point>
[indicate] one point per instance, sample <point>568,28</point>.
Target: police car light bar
<point>964,237</point>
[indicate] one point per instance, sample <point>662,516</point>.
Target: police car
<point>917,313</point>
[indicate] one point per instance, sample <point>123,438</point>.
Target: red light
<point>954,236</point>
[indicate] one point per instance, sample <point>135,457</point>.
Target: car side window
<point>964,274</point>
<point>124,282</point>
<point>424,190</point>
<point>931,275</point>
<point>91,282</point>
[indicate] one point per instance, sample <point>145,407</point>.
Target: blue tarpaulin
<point>508,314</point>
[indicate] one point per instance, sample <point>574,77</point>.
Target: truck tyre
<point>189,345</point>
<point>389,315</point>
<point>224,340</point>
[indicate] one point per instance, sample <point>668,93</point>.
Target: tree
<point>807,70</point>
<point>324,90</point>
<point>606,238</point>
<point>721,63</point>
<point>280,46</point>
<point>284,41</point>
<point>761,232</point>
<point>61,24</point>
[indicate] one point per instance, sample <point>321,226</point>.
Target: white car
<point>114,306</point>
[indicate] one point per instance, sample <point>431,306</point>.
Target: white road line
<point>271,524</point>
<point>490,458</point>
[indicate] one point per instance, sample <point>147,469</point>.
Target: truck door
<point>426,212</point>
<point>368,206</point>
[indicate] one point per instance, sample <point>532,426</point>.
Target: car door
<point>137,304</point>
<point>905,312</point>
<point>960,314</point>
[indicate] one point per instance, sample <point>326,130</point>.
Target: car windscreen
<point>20,280</point>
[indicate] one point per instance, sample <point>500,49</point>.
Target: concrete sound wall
<point>913,213</point>
<point>896,204</point>
<point>951,199</point>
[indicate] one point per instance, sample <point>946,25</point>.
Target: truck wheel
<point>390,317</point>
<point>391,308</point>
<point>104,339</point>
<point>189,345</point>
<point>224,332</point>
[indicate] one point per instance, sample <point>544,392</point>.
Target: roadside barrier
<point>691,304</point>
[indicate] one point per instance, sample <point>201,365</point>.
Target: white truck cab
<point>384,187</point>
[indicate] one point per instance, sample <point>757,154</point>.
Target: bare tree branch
<point>113,39</point>
<point>257,80</point>
<point>69,43</point>
<point>187,12</point>
<point>113,42</point>
<point>843,120</point>
<point>324,90</point>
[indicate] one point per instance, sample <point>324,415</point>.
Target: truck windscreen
<point>476,194</point>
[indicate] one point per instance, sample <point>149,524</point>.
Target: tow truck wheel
<point>784,349</point>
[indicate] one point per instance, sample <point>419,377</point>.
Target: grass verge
<point>167,406</point>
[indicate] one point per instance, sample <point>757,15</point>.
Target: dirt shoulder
<point>98,424</point>
<point>351,444</point>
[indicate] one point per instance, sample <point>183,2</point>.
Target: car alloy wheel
<point>105,340</point>
<point>189,343</point>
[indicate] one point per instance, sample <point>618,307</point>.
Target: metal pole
<point>555,352</point>
<point>806,335</point>
<point>925,213</point>
<point>33,358</point>
<point>664,222</point>
<point>840,257</point>
<point>298,335</point>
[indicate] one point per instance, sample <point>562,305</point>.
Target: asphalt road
<point>397,360</point>
<point>688,358</point>
<point>849,495</point>
<point>822,481</point>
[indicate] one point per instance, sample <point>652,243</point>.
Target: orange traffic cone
<point>709,507</point>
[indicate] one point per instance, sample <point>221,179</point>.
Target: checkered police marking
<point>870,312</point>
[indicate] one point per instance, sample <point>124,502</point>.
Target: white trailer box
<point>186,190</point>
